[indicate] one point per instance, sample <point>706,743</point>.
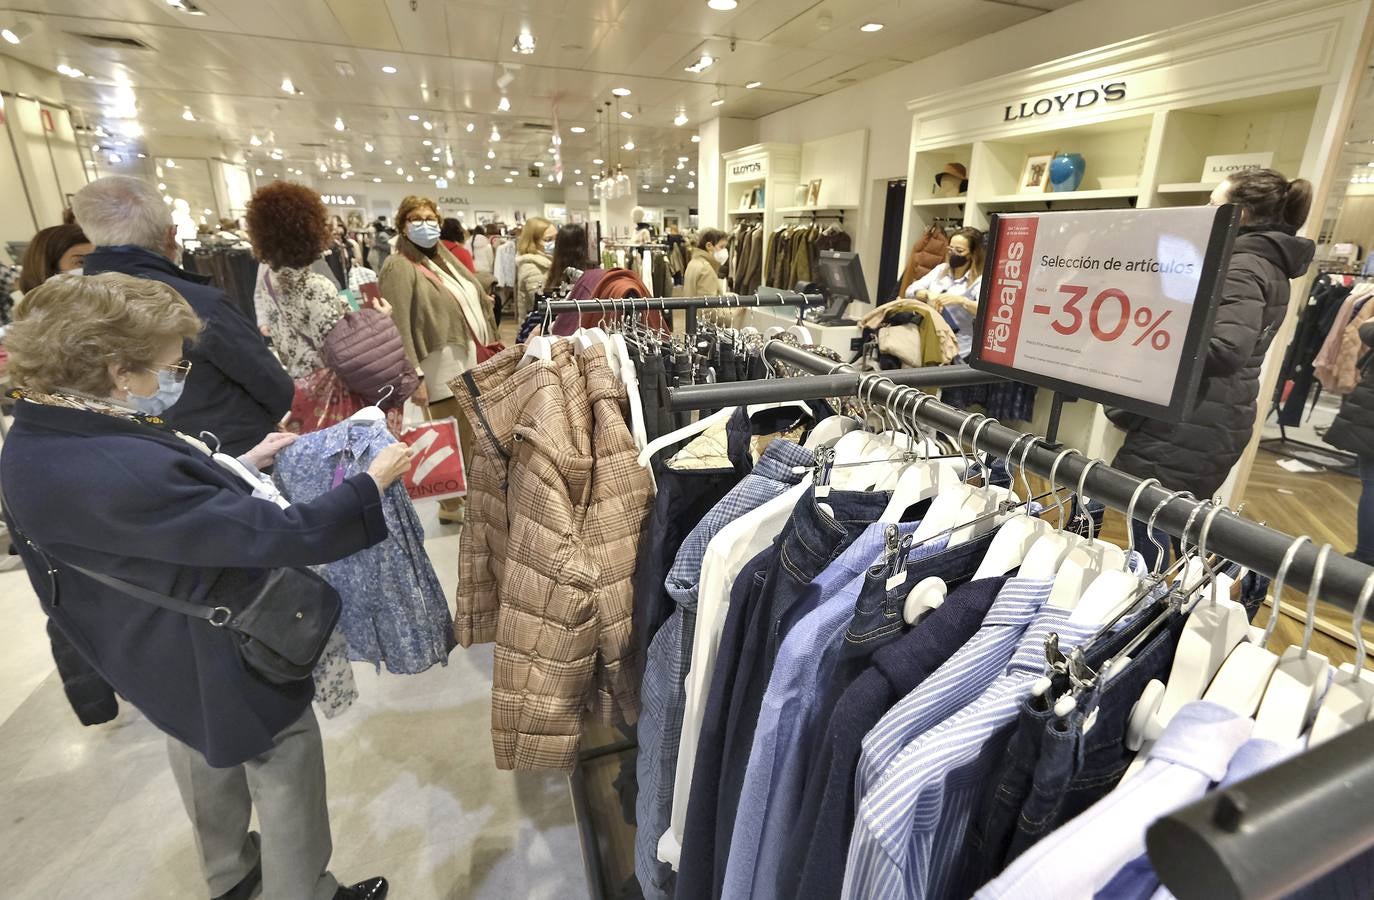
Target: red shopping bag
<point>437,470</point>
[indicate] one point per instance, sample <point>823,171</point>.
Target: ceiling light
<point>386,162</point>
<point>171,164</point>
<point>871,26</point>
<point>410,178</point>
<point>524,43</point>
<point>131,129</point>
<point>644,187</point>
<point>665,190</point>
<point>346,165</point>
<point>504,105</point>
<point>433,177</point>
<point>509,180</point>
<point>495,135</point>
<point>629,145</point>
<point>323,168</point>
<point>257,172</point>
<point>681,165</point>
<point>719,101</point>
<point>187,7</point>
<point>680,119</point>
<point>424,168</point>
<point>413,117</point>
<point>428,143</point>
<point>338,123</point>
<point>539,164</point>
<point>161,186</point>
<point>115,159</point>
<point>696,139</point>
<point>577,171</point>
<point>578,129</point>
<point>471,127</point>
<point>621,91</point>
<point>691,185</point>
<point>400,171</point>
<point>626,114</point>
<point>254,141</point>
<point>452,174</point>
<point>16,33</point>
<point>367,145</point>
<point>491,154</point>
<point>376,181</point>
<point>429,126</point>
<point>275,154</point>
<point>704,62</point>
<point>188,115</point>
<point>287,86</point>
<point>389,70</point>
<point>753,84</point>
<point>486,167</point>
<point>722,5</point>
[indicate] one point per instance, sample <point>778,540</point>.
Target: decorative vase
<point>1066,172</point>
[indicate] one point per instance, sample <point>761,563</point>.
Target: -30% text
<point>1107,316</point>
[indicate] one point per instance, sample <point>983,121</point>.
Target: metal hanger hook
<point>977,431</point>
<point>1202,546</point>
<point>1357,623</point>
<point>963,425</point>
<point>1025,451</point>
<point>1130,518</point>
<point>1054,483</point>
<point>1277,587</point>
<point>1083,497</point>
<point>1318,570</point>
<point>208,436</point>
<point>1150,527</point>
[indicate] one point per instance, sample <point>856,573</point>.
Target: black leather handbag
<point>281,629</point>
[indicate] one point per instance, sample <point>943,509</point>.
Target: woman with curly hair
<point>289,228</point>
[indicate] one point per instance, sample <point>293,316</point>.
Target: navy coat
<point>237,389</point>
<point>137,502</point>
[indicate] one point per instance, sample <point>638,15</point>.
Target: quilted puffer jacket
<point>365,348</point>
<point>620,501</point>
<point>1353,428</point>
<point>927,253</point>
<point>489,395</point>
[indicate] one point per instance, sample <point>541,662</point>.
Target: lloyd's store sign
<point>1065,101</point>
<point>747,170</point>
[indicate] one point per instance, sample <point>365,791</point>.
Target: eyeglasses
<point>426,221</point>
<point>179,370</point>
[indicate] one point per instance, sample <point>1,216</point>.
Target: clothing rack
<point>1246,543</point>
<point>1276,831</point>
<point>813,216</point>
<point>688,304</point>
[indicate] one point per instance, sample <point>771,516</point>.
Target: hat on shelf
<point>951,181</point>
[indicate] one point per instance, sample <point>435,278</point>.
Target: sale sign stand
<point>1114,306</point>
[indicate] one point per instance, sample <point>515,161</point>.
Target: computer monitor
<point>842,278</point>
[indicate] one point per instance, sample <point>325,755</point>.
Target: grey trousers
<point>287,785</point>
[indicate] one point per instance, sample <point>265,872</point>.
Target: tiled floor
<point>413,792</point>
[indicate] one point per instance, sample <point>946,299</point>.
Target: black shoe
<point>374,888</point>
<point>245,888</point>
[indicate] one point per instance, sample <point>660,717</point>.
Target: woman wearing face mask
<point>98,361</point>
<point>55,250</point>
<point>702,278</point>
<point>569,252</point>
<point>533,261</point>
<point>952,287</point>
<point>441,312</point>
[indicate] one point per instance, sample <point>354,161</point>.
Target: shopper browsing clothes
<point>702,278</point>
<point>1196,455</point>
<point>534,258</point>
<point>952,287</point>
<point>237,390</point>
<point>98,364</point>
<point>441,312</point>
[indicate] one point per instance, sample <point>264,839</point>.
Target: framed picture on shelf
<point>744,199</point>
<point>813,194</point>
<point>1035,174</point>
<point>800,194</point>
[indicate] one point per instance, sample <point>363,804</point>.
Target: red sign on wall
<point>48,123</point>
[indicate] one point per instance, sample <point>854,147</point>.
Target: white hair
<point>118,210</point>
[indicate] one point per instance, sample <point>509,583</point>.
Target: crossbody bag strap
<point>462,311</point>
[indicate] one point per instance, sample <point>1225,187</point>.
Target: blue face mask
<point>168,393</point>
<point>423,234</point>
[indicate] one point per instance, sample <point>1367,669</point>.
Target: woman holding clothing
<point>442,314</point>
<point>952,287</point>
<point>533,261</point>
<point>97,361</point>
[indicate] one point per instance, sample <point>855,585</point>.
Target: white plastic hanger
<point>1085,562</point>
<point>374,412</point>
<point>915,481</point>
<point>1018,533</point>
<point>1296,686</point>
<point>1212,631</point>
<point>1240,683</point>
<point>1043,558</point>
<point>859,454</point>
<point>689,430</point>
<point>1112,592</point>
<point>948,509</point>
<point>831,429</point>
<point>1350,698</point>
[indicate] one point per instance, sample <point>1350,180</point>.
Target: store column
<point>717,136</point>
<point>617,213</point>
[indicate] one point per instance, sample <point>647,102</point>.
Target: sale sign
<point>436,472</point>
<point>1110,305</point>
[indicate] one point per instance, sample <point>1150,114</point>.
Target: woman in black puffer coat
<point>1197,454</point>
<point>1353,430</point>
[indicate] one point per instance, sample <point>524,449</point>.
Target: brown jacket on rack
<point>927,253</point>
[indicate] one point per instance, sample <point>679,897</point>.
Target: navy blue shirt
<point>135,501</point>
<point>237,389</point>
<point>814,860</point>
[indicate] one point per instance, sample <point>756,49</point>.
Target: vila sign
<point>339,200</point>
<point>1069,100</point>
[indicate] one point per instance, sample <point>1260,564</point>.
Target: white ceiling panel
<point>227,68</point>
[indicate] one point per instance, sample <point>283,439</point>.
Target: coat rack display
<point>689,304</point>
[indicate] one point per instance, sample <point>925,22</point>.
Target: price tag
<point>1110,305</point>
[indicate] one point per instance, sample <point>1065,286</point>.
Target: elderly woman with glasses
<point>442,314</point>
<point>96,483</point>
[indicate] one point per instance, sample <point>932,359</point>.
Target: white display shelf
<point>1188,187</point>
<point>806,209</point>
<point>1062,196</point>
<point>940,201</point>
<point>746,212</point>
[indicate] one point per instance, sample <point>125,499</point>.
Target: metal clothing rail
<point>818,387</point>
<point>689,304</point>
<point>1248,543</point>
<point>1276,831</point>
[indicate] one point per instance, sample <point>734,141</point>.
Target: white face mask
<point>722,255</point>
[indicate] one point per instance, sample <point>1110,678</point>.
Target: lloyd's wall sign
<point>1068,101</point>
<point>752,170</point>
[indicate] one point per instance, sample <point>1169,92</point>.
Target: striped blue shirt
<point>662,692</point>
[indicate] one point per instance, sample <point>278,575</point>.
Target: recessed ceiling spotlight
<point>254,141</point>
<point>338,123</point>
<point>389,70</point>
<point>539,164</point>
<point>376,181</point>
<point>753,84</point>
<point>504,105</point>
<point>486,166</point>
<point>696,139</point>
<point>429,126</point>
<point>323,168</point>
<point>514,172</point>
<point>643,187</point>
<point>629,145</point>
<point>626,114</point>
<point>16,33</point>
<point>577,171</point>
<point>186,6</point>
<point>680,119</point>
<point>722,5</point>
<point>452,174</point>
<point>287,87</point>
<point>367,145</point>
<point>413,117</point>
<point>471,127</point>
<point>871,26</point>
<point>509,180</point>
<point>410,178</point>
<point>719,101</point>
<point>598,162</point>
<point>491,154</point>
<point>665,190</point>
<point>524,43</point>
<point>691,185</point>
<point>386,162</point>
<point>188,115</point>
<point>621,91</point>
<point>427,142</point>
<point>400,171</point>
<point>579,183</point>
<point>704,62</point>
<point>578,129</point>
<point>424,168</point>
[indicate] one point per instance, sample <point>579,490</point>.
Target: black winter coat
<point>92,699</point>
<point>1353,428</point>
<point>137,502</point>
<point>1197,454</point>
<point>237,389</point>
